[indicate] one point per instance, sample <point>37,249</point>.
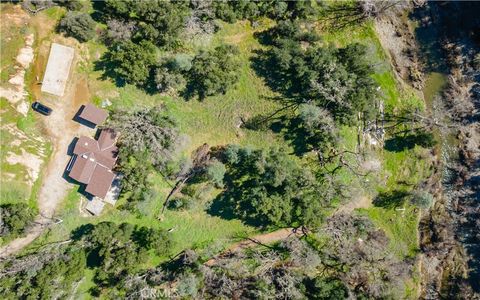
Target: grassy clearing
<point>214,120</point>
<point>12,39</point>
<point>189,229</point>
<point>20,138</point>
<point>401,171</point>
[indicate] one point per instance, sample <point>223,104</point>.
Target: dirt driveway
<point>61,130</point>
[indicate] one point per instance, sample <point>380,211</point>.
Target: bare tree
<point>200,159</point>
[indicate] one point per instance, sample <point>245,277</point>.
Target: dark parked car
<point>41,108</point>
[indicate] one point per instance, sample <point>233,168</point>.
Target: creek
<point>452,218</point>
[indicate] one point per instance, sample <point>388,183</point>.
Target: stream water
<point>455,198</point>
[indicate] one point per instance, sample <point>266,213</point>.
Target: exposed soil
<point>397,37</point>
<point>261,239</point>
<point>61,131</point>
<point>359,202</point>
<point>16,94</point>
<point>31,161</point>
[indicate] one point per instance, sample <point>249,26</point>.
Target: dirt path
<point>61,130</point>
<point>360,202</point>
<point>261,239</point>
<point>281,234</point>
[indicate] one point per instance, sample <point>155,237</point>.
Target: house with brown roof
<point>92,162</point>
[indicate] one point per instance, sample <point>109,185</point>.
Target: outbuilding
<point>93,114</point>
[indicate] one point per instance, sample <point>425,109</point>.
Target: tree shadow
<point>265,67</point>
<point>409,141</point>
<point>99,13</point>
<point>223,206</point>
<point>81,231</point>
<point>290,128</point>
<point>391,199</point>
<point>107,66</point>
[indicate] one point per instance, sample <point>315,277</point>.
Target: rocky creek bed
<point>450,231</point>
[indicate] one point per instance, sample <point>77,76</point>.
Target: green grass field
<point>213,121</point>
<point>216,121</point>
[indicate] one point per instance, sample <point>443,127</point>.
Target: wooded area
<point>343,130</point>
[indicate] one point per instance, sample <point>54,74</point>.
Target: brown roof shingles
<point>107,138</point>
<point>93,162</point>
<point>85,145</point>
<point>107,157</point>
<point>100,181</point>
<point>83,168</point>
<point>93,114</point>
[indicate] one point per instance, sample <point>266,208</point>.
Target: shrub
<point>422,199</point>
<point>215,172</point>
<point>213,72</point>
<point>15,218</point>
<point>133,61</point>
<point>78,25</point>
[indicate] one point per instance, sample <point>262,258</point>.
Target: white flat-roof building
<point>58,68</point>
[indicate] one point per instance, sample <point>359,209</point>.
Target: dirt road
<point>261,239</point>
<point>60,130</point>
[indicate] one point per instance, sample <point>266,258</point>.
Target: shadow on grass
<point>391,199</point>
<point>81,231</point>
<point>223,206</point>
<point>406,142</point>
<point>107,66</point>
<point>265,67</point>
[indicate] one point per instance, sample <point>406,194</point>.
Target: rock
<point>23,108</point>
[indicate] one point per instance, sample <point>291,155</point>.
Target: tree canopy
<point>268,187</point>
<point>132,61</point>
<point>78,25</point>
<point>118,250</point>
<point>213,72</point>
<point>15,218</point>
<point>157,21</point>
<point>49,274</point>
<point>336,79</point>
<point>148,139</point>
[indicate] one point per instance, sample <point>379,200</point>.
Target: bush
<point>78,25</point>
<point>133,61</point>
<point>215,172</point>
<point>325,288</point>
<point>422,199</point>
<point>15,218</point>
<point>181,63</point>
<point>213,72</point>
<point>183,203</point>
<point>119,30</point>
<point>166,79</point>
